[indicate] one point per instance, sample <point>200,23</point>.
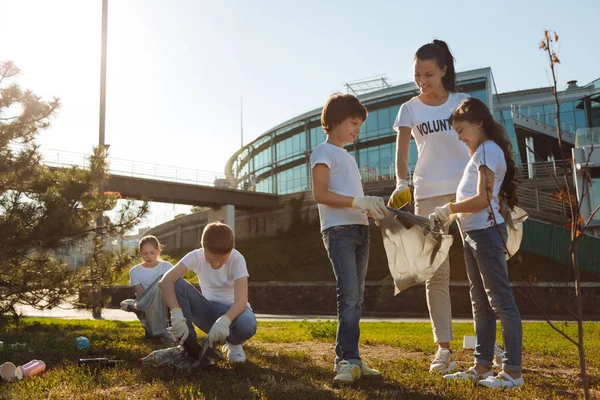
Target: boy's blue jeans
<point>491,296</point>
<point>203,313</point>
<point>348,250</point>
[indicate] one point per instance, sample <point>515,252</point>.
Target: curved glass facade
<point>278,161</point>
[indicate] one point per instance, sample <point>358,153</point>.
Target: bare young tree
<point>578,223</point>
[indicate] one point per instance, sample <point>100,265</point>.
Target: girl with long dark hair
<point>489,176</point>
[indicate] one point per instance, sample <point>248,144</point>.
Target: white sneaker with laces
<point>365,369</point>
<point>347,373</point>
<point>443,361</point>
<point>469,375</point>
<point>498,355</point>
<point>234,352</point>
<point>503,381</point>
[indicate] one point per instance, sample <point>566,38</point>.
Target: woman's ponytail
<point>438,50</point>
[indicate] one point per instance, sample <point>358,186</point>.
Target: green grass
<point>286,360</point>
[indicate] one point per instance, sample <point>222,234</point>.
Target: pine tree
<point>43,209</point>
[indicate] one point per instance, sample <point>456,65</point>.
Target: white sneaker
<point>443,361</point>
<point>347,373</point>
<point>498,355</point>
<point>234,352</point>
<point>503,381</point>
<point>364,367</point>
<point>469,375</point>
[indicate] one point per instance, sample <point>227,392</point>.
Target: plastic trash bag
<point>179,358</point>
<point>514,220</point>
<point>173,356</point>
<point>152,311</point>
<point>413,250</point>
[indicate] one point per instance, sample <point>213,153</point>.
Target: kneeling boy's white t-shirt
<point>217,284</point>
<point>491,155</point>
<point>344,179</point>
<point>140,275</point>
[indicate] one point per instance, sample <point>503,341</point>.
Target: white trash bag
<point>414,252</point>
<point>514,220</point>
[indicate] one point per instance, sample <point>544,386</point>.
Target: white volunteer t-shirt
<point>442,157</point>
<point>344,179</point>
<point>217,284</point>
<point>489,154</point>
<point>140,275</point>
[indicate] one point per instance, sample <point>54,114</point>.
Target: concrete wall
<point>185,232</point>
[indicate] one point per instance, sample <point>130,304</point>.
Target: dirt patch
<point>325,351</point>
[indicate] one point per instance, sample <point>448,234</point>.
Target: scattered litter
<point>33,367</point>
<point>82,342</point>
<point>17,346</point>
<point>8,371</point>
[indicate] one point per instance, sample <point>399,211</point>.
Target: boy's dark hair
<point>439,51</point>
<point>338,107</point>
<point>151,240</point>
<point>218,238</point>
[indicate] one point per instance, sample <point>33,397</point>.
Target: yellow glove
<point>401,195</point>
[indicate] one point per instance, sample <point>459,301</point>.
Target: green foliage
<point>320,329</point>
<point>43,209</point>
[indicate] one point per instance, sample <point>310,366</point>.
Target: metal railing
<point>587,137</point>
<point>542,169</point>
<point>549,120</point>
<point>136,169</point>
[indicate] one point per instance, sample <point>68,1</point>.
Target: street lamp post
<point>96,284</point>
<point>103,74</point>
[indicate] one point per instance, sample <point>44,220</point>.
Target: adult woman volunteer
<point>441,161</point>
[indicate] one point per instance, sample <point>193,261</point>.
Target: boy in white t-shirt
<point>343,211</point>
<point>143,275</point>
<point>222,309</point>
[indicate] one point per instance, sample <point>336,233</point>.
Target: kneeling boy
<point>222,309</point>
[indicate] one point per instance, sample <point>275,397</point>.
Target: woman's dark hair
<point>439,51</point>
<point>474,111</point>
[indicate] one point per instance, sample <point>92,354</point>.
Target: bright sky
<point>177,69</point>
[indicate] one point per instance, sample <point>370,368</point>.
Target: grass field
<point>286,360</point>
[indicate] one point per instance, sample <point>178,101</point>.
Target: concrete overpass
<point>170,184</point>
<point>190,194</point>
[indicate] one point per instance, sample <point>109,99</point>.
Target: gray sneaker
<point>443,362</point>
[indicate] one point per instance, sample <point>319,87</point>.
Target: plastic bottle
<point>8,371</point>
<point>81,342</point>
<point>98,362</point>
<point>33,367</point>
<point>160,357</point>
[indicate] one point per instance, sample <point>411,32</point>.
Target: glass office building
<point>278,160</point>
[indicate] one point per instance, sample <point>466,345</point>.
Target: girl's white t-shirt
<point>491,155</point>
<point>442,157</point>
<point>344,179</point>
<point>140,275</point>
<point>217,284</point>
